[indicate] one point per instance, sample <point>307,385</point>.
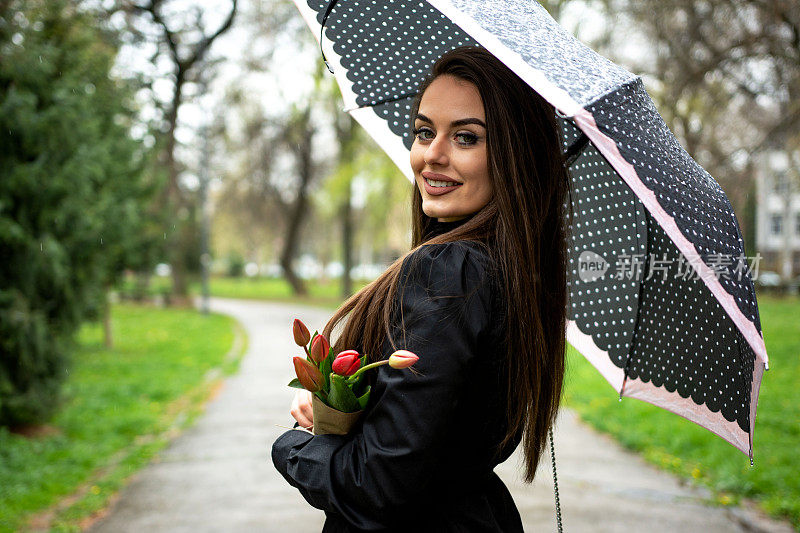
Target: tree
<point>270,201</point>
<point>294,156</point>
<point>726,77</point>
<point>383,222</point>
<point>71,193</point>
<point>346,134</point>
<point>186,39</point>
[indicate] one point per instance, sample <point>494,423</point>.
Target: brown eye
<point>423,134</point>
<point>466,138</point>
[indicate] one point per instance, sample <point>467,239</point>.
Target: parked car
<point>163,270</point>
<point>271,270</point>
<point>334,269</point>
<point>367,271</point>
<point>308,267</point>
<point>251,269</point>
<point>767,279</point>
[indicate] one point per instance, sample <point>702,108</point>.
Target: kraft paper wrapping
<point>328,420</point>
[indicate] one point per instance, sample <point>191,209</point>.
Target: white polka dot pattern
<point>688,343</point>
<point>683,188</point>
<point>387,48</point>
<point>608,220</point>
<point>668,330</point>
<point>682,339</point>
<point>569,132</point>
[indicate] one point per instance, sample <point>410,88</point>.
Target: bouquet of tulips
<point>340,395</point>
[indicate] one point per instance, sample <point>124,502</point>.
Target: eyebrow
<point>459,122</point>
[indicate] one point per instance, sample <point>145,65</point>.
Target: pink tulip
<point>301,334</point>
<point>309,375</point>
<point>346,363</point>
<point>320,348</point>
<point>402,359</point>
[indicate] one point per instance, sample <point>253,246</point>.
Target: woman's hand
<point>302,409</point>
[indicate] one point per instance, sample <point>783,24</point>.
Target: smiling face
<point>450,148</point>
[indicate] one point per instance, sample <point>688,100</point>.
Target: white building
<point>778,214</point>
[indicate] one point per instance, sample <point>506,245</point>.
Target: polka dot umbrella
<point>661,296</point>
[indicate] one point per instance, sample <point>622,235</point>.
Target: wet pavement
<point>218,476</point>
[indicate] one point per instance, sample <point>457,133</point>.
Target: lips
<point>438,191</point>
<point>438,177</point>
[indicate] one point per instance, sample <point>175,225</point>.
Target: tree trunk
<point>302,132</point>
<point>179,292</point>
<point>290,244</point>
<point>347,242</point>
<point>345,132</point>
<point>184,63</point>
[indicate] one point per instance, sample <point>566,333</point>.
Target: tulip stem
<point>322,396</point>
<point>353,377</point>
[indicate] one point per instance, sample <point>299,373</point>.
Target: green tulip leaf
<point>326,369</point>
<point>296,384</point>
<point>341,396</point>
<point>364,398</point>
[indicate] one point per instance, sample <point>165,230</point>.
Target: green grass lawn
<point>680,446</point>
<point>320,293</point>
<point>663,438</point>
<point>323,294</point>
<point>121,406</point>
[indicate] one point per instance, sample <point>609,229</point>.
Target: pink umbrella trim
<point>608,148</point>
<point>661,397</point>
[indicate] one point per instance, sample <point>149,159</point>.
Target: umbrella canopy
<point>661,297</point>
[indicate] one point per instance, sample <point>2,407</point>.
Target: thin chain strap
<point>555,481</point>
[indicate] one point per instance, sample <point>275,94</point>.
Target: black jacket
<point>421,457</point>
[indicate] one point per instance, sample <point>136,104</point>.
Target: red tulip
<point>320,348</point>
<point>346,363</point>
<point>301,334</point>
<point>402,359</point>
<point>308,374</point>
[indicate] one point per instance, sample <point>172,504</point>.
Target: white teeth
<point>436,183</point>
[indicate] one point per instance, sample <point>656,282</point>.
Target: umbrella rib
<point>322,28</point>
<point>374,103</point>
<point>576,148</point>
<point>638,310</point>
<point>749,398</point>
<point>384,101</point>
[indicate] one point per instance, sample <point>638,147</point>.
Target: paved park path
<point>218,476</point>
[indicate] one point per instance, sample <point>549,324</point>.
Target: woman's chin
<point>434,209</point>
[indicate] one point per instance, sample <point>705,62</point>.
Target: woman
<point>481,299</point>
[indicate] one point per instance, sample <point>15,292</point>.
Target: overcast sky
<point>290,78</point>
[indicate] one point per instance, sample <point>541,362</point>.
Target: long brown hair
<point>523,228</point>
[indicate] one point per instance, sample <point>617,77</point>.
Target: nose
<point>436,152</point>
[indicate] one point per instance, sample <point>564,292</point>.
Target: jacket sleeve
<point>389,468</point>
